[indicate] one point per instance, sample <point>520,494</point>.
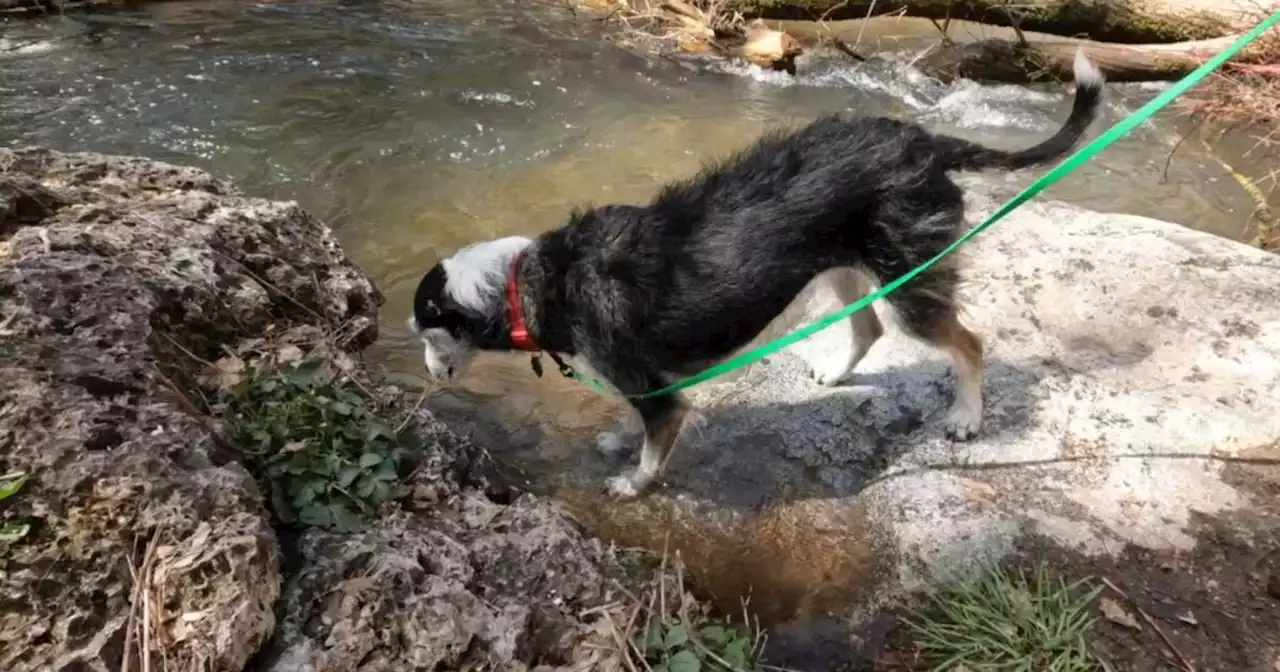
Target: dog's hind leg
<point>965,347</point>
<point>926,308</point>
<point>848,285</point>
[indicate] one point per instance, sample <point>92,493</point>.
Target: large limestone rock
<point>461,574</point>
<point>1128,361</point>
<point>487,586</point>
<point>149,544</point>
<point>117,276</point>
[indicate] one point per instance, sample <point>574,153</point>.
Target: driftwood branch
<point>712,25</point>
<point>1038,60</point>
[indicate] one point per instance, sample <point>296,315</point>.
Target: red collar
<point>519,330</point>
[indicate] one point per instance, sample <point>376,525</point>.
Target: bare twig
<point>942,30</point>
<point>662,578</point>
<point>831,10</point>
<point>184,350</point>
<point>135,634</point>
<point>268,286</point>
<point>623,642</point>
<point>412,412</point>
<point>1186,664</point>
<point>684,618</point>
<point>183,400</point>
<point>857,41</point>
<point>1164,176</point>
<point>847,50</point>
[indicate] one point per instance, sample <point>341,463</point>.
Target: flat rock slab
<point>1129,360</point>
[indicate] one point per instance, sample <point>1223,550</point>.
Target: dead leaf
<point>294,446</point>
<point>289,354</point>
<point>1188,618</point>
<point>1112,611</point>
<point>226,373</point>
<point>193,616</point>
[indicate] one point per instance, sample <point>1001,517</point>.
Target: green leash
<point>1060,171</point>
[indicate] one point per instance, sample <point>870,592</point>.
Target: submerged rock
<point>120,279</point>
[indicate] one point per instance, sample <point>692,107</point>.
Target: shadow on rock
<point>765,500</point>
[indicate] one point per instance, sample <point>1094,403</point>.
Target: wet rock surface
<point>120,279</point>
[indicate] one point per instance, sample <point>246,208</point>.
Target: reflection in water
<point>414,128</point>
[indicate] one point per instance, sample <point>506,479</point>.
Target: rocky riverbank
<point>126,287</point>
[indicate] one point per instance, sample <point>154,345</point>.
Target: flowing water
<point>414,128</point>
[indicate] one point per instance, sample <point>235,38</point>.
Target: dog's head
<point>460,303</point>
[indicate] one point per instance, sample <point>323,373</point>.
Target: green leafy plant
<point>10,484</point>
<point>328,457</point>
<point>1008,622</point>
<point>668,647</point>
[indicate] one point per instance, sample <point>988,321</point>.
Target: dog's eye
<point>430,310</point>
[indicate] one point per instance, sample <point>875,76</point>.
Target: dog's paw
<point>622,487</point>
<point>831,371</point>
<point>962,424</point>
<point>610,443</point>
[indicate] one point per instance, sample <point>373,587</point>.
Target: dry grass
<point>664,628</point>
<point>144,623</point>
<point>691,24</point>
<point>1244,98</point>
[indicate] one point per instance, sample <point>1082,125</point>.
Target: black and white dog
<point>640,296</point>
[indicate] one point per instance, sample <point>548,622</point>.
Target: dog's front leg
<point>664,418</point>
<point>629,425</point>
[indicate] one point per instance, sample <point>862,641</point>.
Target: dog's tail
<point>960,154</point>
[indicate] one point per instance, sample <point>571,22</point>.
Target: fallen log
<point>1118,21</point>
<point>37,8</point>
<point>993,53</point>
<point>1002,60</point>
